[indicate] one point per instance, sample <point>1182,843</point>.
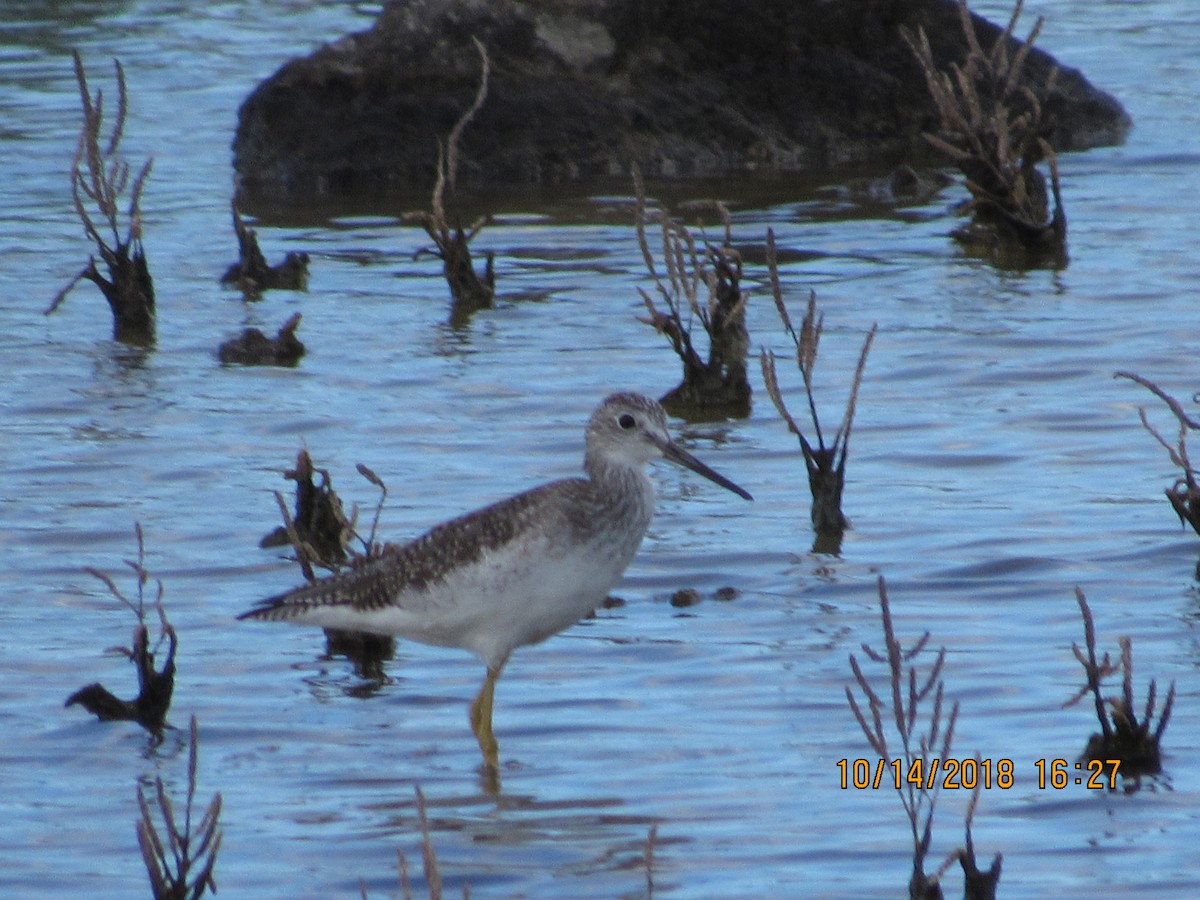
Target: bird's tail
<point>364,587</point>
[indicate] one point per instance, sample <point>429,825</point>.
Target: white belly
<point>518,594</point>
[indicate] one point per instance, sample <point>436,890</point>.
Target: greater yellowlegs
<point>515,572</point>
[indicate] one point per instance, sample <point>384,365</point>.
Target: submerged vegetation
<point>321,534</point>
<point>451,243</point>
<point>102,180</point>
<point>180,866</point>
<point>429,860</point>
<point>1184,494</point>
<point>996,131</point>
<point>914,701</point>
<point>155,687</point>
<point>1129,746</point>
<point>432,872</point>
<point>253,348</point>
<point>716,386</point>
<point>826,464</point>
<point>430,868</point>
<point>252,275</point>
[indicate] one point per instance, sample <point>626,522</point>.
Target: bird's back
<point>509,574</point>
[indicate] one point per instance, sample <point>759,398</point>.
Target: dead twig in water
<point>826,465</point>
<point>251,274</point>
<point>913,767</point>
<point>155,687</point>
<point>468,290</point>
<point>1184,494</point>
<point>996,131</point>
<point>100,178</point>
<point>1124,745</point>
<point>717,385</point>
<point>169,862</point>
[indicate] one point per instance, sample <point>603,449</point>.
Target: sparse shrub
<point>100,179</point>
<point>1130,745</point>
<point>996,131</point>
<point>320,533</point>
<point>826,465</point>
<point>717,385</point>
<point>155,687</point>
<point>180,867</point>
<point>451,243</point>
<point>1184,494</point>
<point>912,695</point>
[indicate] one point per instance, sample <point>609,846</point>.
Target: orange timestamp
<point>969,774</point>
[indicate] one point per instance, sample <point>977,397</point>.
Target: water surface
<point>995,465</point>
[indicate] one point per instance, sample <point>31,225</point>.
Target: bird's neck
<point>623,483</point>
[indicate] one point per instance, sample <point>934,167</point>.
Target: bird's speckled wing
<point>407,572</point>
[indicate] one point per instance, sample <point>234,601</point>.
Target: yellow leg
<point>481,719</point>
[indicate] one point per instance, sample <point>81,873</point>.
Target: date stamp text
<point>969,774</point>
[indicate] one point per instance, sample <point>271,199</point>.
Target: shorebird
<point>513,573</point>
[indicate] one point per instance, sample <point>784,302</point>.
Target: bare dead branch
<point>470,292</point>
<point>1123,738</point>
<point>99,178</point>
<point>170,864</point>
<point>719,383</point>
<point>994,128</point>
<point>825,464</point>
<point>914,697</point>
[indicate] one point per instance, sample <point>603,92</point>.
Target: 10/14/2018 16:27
<point>968,774</point>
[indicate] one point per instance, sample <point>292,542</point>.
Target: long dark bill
<point>677,454</point>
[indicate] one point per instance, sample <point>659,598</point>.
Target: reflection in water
<point>366,652</point>
<point>517,820</point>
<point>50,26</point>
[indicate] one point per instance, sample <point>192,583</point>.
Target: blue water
<point>995,464</point>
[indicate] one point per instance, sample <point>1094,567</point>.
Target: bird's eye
<point>626,421</point>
